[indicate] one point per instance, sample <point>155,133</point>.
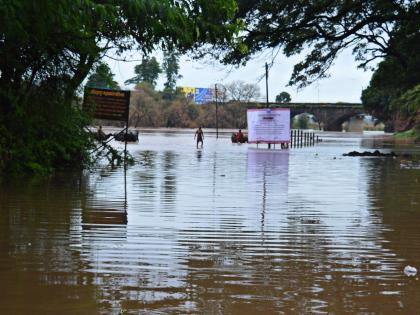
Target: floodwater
<point>227,229</point>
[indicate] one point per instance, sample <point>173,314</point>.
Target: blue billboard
<point>203,95</point>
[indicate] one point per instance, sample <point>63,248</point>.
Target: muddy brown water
<point>229,229</point>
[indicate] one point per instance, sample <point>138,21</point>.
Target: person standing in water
<point>200,136</point>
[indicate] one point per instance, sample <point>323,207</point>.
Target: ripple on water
<point>226,229</point>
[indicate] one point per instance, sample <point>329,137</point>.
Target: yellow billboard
<point>188,91</point>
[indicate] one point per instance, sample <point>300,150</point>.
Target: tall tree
<point>47,48</point>
<point>102,77</point>
<point>240,91</point>
<point>385,95</point>
<point>171,69</point>
<point>148,71</point>
<point>324,29</point>
<point>283,97</point>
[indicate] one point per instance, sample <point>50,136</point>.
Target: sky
<point>345,83</point>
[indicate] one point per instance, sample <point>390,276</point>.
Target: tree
<point>171,69</point>
<point>324,29</point>
<point>240,91</point>
<point>384,97</point>
<point>302,121</point>
<point>148,71</point>
<point>102,78</point>
<point>283,97</point>
<point>48,48</point>
<point>220,94</point>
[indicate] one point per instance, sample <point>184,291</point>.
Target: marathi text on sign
<point>107,104</point>
<point>268,125</point>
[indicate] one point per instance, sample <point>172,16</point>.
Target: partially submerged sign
<point>107,104</point>
<point>268,125</point>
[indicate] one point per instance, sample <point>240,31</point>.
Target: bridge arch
<point>330,115</point>
<point>312,121</point>
<point>336,124</point>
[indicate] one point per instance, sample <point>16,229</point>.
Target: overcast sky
<point>344,85</point>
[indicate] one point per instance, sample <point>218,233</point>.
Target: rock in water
<point>368,153</point>
<point>410,271</point>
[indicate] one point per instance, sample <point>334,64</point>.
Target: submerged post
<point>217,118</point>
<point>301,138</point>
<point>291,138</point>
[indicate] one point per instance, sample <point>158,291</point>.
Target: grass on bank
<point>409,135</point>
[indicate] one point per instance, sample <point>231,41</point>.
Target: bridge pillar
<point>333,126</point>
<point>389,126</point>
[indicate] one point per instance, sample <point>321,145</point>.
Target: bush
<point>43,136</point>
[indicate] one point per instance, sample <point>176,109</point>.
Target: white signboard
<point>268,125</point>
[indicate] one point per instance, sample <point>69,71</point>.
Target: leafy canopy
<point>321,29</point>
<point>102,78</point>
<point>47,49</point>
<point>392,79</point>
<point>148,71</point>
<point>171,68</point>
<point>283,97</point>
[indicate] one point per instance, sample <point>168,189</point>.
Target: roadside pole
<point>217,118</point>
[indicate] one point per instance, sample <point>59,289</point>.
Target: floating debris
<point>409,165</point>
<point>410,271</point>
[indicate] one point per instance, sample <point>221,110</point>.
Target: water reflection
<point>234,230</point>
<point>269,169</point>
<point>395,193</point>
<point>199,154</point>
<point>39,271</point>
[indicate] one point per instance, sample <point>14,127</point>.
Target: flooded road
<point>227,229</point>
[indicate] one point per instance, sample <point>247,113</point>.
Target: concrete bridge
<point>329,115</point>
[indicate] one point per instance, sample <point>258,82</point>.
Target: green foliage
<point>171,69</point>
<point>148,71</point>
<point>302,121</point>
<point>114,156</point>
<point>47,49</point>
<point>384,97</point>
<point>410,135</point>
<point>283,97</point>
<point>323,29</point>
<point>102,78</point>
<point>192,111</point>
<point>48,136</point>
<point>409,101</point>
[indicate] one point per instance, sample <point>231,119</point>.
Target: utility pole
<point>266,90</point>
<point>266,83</point>
<point>217,120</point>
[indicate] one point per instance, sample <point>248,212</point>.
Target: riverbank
<point>409,136</point>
